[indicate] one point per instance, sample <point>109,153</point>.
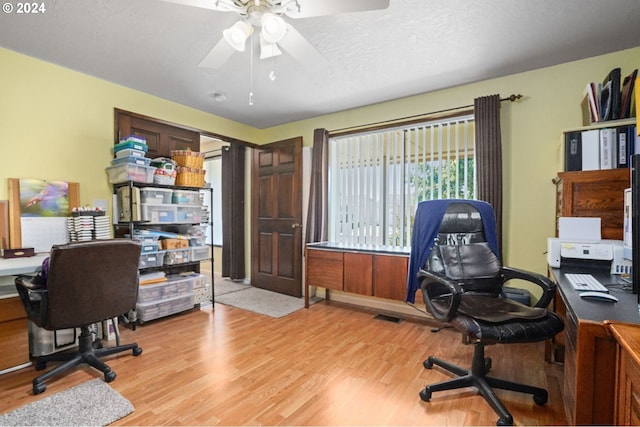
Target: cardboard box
<point>174,243</point>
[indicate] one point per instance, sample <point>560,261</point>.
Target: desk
<point>13,319</point>
<point>589,349</point>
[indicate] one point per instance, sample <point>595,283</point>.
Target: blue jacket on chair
<point>427,221</point>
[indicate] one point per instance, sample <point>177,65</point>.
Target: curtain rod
<point>512,98</point>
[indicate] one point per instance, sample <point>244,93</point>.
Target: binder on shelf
<point>573,151</point>
<point>626,96</point>
<point>624,146</point>
<point>608,149</point>
<point>590,150</point>
<point>612,80</point>
<point>590,103</point>
<point>605,101</point>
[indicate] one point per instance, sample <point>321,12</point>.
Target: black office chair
<point>462,284</point>
<point>87,282</point>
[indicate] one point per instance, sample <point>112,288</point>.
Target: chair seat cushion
<point>497,310</point>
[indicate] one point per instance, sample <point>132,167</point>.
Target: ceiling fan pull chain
<point>251,72</point>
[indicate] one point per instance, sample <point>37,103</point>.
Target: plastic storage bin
<point>177,256</point>
<point>172,288</point>
<point>134,145</point>
<point>149,247</point>
<point>131,160</point>
<point>152,259</point>
<point>130,152</point>
<point>186,197</point>
<point>158,213</point>
<point>130,172</point>
<point>189,214</point>
<point>199,253</point>
<point>162,308</point>
<point>154,196</point>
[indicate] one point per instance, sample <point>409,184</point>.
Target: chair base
<point>477,377</point>
<point>86,354</point>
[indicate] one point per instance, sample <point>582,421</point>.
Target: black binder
<point>573,151</point>
<point>614,93</point>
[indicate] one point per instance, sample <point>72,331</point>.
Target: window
<point>377,178</point>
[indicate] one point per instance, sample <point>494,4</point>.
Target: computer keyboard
<point>585,282</point>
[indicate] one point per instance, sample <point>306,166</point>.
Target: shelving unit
<point>168,209</point>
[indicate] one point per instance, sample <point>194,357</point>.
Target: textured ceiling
<point>414,46</point>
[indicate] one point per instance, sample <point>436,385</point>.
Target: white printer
<point>580,244</point>
<point>604,252</point>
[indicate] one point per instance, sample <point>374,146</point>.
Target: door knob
<point>296,225</point>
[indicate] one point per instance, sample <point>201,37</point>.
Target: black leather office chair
<point>461,282</point>
<point>87,282</point>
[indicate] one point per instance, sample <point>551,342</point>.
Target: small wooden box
<point>18,253</point>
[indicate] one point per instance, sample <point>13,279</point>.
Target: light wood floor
<point>330,364</point>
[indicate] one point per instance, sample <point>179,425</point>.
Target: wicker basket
<point>190,177</point>
<point>188,158</point>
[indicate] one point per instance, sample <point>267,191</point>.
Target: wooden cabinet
<point>161,138</point>
<point>360,272</point>
<point>598,193</point>
<point>627,396</point>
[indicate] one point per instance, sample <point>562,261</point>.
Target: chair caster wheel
<point>541,399</point>
<point>109,376</point>
<point>428,364</point>
<point>425,395</point>
<point>137,351</point>
<point>40,365</point>
<point>505,421</point>
<point>39,388</point>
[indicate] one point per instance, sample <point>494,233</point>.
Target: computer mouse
<point>598,296</point>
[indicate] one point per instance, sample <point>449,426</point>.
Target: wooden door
<point>161,137</point>
<point>276,217</point>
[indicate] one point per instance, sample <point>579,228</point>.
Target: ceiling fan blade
<point>220,53</point>
<point>310,8</point>
<point>222,6</point>
<point>301,50</point>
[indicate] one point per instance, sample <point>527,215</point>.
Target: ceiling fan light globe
<point>268,50</point>
<point>237,35</point>
<point>273,27</point>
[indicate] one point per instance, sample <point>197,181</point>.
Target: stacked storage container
<point>165,298</point>
<point>130,163</point>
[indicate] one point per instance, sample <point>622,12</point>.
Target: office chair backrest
<point>462,252</point>
<point>91,281</point>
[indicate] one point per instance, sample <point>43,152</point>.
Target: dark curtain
<point>317,230</point>
<point>489,154</point>
<point>233,211</point>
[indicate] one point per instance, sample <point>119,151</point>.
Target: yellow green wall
<point>531,136</point>
<point>57,124</point>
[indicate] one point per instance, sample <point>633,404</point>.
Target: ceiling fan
<point>275,32</point>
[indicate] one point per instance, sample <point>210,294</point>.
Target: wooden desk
<point>627,408</point>
<point>13,320</point>
<point>590,350</point>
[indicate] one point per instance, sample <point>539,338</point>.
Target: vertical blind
<point>377,178</point>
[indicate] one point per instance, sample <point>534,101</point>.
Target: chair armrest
<point>33,298</point>
<point>547,285</point>
<point>436,287</point>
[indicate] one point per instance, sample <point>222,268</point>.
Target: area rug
<point>222,286</point>
<point>261,301</point>
<point>93,403</point>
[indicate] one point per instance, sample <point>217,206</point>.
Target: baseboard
<point>383,305</point>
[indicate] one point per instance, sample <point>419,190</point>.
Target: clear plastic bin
<point>155,196</point>
<point>149,247</point>
<point>177,256</point>
<point>154,259</point>
<point>172,288</point>
<point>158,213</point>
<point>199,253</point>
<point>161,308</point>
<point>130,172</point>
<point>130,152</point>
<point>189,214</point>
<point>186,197</point>
<point>132,160</point>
